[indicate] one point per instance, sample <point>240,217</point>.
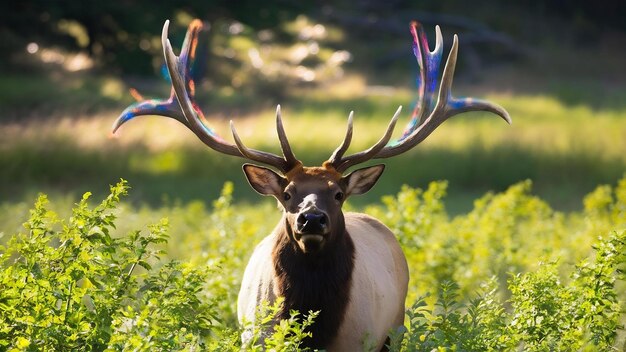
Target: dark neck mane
<point>315,282</point>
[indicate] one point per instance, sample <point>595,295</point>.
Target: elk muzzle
<point>312,227</point>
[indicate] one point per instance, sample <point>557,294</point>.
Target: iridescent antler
<point>182,107</point>
<point>169,107</point>
<point>432,107</point>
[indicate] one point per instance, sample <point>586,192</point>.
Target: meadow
<point>510,274</point>
<point>514,234</point>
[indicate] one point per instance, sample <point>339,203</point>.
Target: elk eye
<point>286,196</point>
<point>339,196</point>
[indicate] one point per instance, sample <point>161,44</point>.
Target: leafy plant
<point>545,314</point>
<point>71,285</point>
<point>271,334</point>
<point>502,277</point>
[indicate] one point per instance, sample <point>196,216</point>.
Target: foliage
<point>502,277</point>
<point>499,236</point>
<point>71,285</point>
<point>118,34</point>
<point>545,314</point>
<point>284,335</point>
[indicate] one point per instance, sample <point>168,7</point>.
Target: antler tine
<point>167,107</point>
<point>176,71</point>
<point>429,62</point>
<point>448,75</point>
<point>290,157</point>
<point>452,106</point>
<point>242,147</point>
<point>345,144</point>
<point>283,165</point>
<point>182,107</point>
<point>196,125</point>
<point>343,164</point>
<point>446,107</point>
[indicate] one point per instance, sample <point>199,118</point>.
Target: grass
<point>50,94</point>
<point>568,133</point>
<point>564,147</point>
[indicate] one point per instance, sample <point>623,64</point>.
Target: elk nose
<point>312,222</point>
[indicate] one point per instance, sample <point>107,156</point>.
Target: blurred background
<point>67,67</point>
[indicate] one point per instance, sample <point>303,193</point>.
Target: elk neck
<point>315,282</point>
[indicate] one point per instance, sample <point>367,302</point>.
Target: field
<point>510,273</point>
<point>567,146</point>
<point>515,235</point>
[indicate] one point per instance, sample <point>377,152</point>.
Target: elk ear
<point>264,180</point>
<point>362,180</point>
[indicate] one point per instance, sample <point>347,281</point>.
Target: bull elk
<point>349,267</point>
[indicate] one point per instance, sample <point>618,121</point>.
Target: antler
<point>428,113</point>
<point>341,164</point>
<point>169,107</point>
<point>289,160</point>
<point>186,111</point>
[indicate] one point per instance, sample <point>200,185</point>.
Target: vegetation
<point>498,262</point>
<point>565,96</point>
<point>512,273</point>
<point>120,36</point>
<point>565,149</point>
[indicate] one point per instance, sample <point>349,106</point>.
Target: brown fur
<point>315,282</point>
<point>324,172</point>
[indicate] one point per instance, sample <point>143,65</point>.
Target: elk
<point>349,267</point>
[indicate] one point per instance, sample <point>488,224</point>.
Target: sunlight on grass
<point>565,148</point>
<point>166,162</point>
<point>113,88</point>
<point>540,124</point>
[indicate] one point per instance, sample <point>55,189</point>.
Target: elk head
<point>312,197</point>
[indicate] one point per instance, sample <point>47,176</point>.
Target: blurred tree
<point>119,35</point>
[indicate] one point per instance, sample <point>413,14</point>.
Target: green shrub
<point>71,285</point>
<point>512,274</point>
<point>545,314</point>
